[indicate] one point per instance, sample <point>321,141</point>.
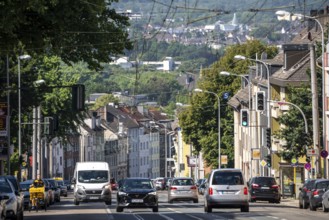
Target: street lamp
<point>284,15</point>
<point>225,73</point>
<point>219,155</point>
<point>22,57</point>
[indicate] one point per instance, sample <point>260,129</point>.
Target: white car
<point>226,188</point>
<point>14,208</point>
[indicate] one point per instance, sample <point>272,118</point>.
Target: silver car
<point>325,200</point>
<point>182,189</point>
<point>226,188</point>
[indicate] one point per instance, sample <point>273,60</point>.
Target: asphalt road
<point>286,210</point>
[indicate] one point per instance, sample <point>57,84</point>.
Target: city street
<point>286,210</point>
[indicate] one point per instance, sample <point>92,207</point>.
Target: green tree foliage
<point>200,121</point>
<point>293,131</point>
<point>104,100</point>
<point>73,30</point>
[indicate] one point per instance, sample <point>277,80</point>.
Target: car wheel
<point>195,201</point>
<point>119,209</point>
<point>304,204</point>
<point>312,208</point>
<point>277,201</point>
<point>171,201</point>
<point>207,208</point>
<point>76,202</point>
<point>324,208</point>
<point>244,208</point>
<point>155,209</point>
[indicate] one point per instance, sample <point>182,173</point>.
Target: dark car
<point>318,189</point>
<point>137,193</point>
<point>25,186</point>
<point>14,206</point>
<point>63,188</point>
<point>264,188</point>
<point>304,193</point>
<point>55,188</point>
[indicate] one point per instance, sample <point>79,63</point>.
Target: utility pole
<point>315,108</point>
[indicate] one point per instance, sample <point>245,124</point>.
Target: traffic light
<point>244,117</point>
<point>268,138</point>
<point>268,160</point>
<point>260,100</point>
<point>78,97</point>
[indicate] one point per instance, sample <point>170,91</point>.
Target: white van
<point>92,182</point>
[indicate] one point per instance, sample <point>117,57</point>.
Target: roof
<point>241,97</point>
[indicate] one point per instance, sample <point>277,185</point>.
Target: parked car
<point>304,194</point>
<point>226,188</point>
<point>13,180</point>
<point>318,189</point>
<point>199,182</point>
<point>14,205</point>
<point>68,184</point>
<point>63,188</point>
<point>55,188</point>
<point>325,201</point>
<point>182,188</point>
<point>3,208</point>
<point>264,188</point>
<point>137,193</point>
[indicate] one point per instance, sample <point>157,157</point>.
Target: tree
<point>73,30</point>
<point>104,100</point>
<point>200,121</point>
<point>293,131</point>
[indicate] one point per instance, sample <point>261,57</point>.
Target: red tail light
<point>316,192</point>
<point>255,186</point>
<point>193,187</point>
<point>173,188</point>
<point>245,191</point>
<point>210,191</point>
<point>275,187</point>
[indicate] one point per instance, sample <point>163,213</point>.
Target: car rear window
<point>265,181</point>
<point>182,182</point>
<point>227,178</point>
<point>322,185</point>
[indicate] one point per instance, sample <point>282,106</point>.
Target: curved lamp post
<point>219,155</point>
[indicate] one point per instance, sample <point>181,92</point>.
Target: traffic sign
<point>307,166</point>
<point>312,152</point>
<point>226,95</point>
<point>324,153</point>
<point>263,163</point>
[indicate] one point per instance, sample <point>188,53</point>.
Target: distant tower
<point>235,21</point>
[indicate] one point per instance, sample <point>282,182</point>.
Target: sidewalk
<point>290,201</point>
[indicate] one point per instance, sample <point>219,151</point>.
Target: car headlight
<point>153,193</point>
<point>122,193</point>
<point>80,187</point>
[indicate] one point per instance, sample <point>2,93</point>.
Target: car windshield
<point>5,187</point>
<point>227,178</point>
<point>137,184</point>
<point>93,176</point>
<point>182,182</point>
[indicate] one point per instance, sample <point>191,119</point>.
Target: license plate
<point>265,187</point>
<point>93,197</point>
<point>137,201</point>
